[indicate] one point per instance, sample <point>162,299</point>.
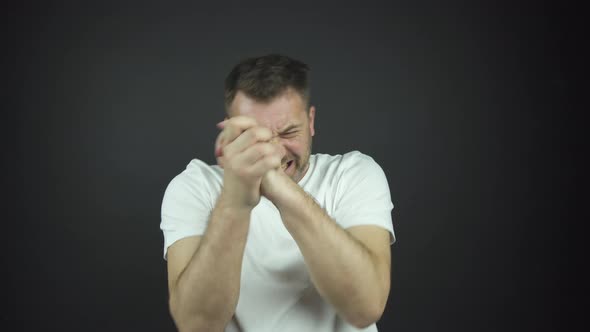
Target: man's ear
<point>311,120</point>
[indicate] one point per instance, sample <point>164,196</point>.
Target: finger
<point>221,124</point>
<point>234,127</point>
<point>247,139</point>
<point>221,162</point>
<point>265,164</point>
<point>218,148</point>
<point>253,154</point>
<point>281,151</point>
<point>222,138</point>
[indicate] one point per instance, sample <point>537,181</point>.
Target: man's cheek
<point>296,144</point>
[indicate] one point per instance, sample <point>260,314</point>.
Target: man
<point>274,238</point>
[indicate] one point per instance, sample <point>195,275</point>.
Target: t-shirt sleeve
<point>363,196</point>
<point>185,210</point>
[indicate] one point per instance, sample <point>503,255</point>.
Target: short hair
<point>267,77</point>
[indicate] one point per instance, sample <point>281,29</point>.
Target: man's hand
<point>275,183</point>
<point>244,150</point>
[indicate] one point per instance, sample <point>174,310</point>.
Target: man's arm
<point>204,290</point>
<point>350,269</point>
<point>204,294</point>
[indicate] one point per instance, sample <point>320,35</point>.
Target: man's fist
<point>245,151</point>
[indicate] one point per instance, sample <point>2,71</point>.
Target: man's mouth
<point>287,165</point>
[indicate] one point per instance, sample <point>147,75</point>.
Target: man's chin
<point>296,175</point>
<point>294,171</point>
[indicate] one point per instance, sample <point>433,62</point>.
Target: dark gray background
<point>467,108</point>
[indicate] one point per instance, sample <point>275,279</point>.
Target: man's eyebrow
<point>289,127</point>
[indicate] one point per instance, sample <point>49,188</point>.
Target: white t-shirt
<point>276,292</point>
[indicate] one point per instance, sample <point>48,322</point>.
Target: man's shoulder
<point>352,174</point>
<point>198,173</point>
<point>333,169</point>
<point>343,162</point>
<point>199,166</point>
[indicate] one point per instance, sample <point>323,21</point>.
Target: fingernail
<point>221,124</point>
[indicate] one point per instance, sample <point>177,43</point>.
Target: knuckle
<point>269,149</point>
<point>260,133</point>
<point>226,152</point>
<point>229,125</point>
<point>248,120</point>
<point>253,135</point>
<point>273,161</point>
<point>244,121</point>
<point>263,149</point>
<point>278,149</point>
<point>264,132</point>
<point>256,134</point>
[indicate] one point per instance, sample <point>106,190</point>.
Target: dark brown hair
<point>267,77</point>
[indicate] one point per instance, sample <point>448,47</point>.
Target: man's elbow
<point>197,324</point>
<point>183,322</point>
<point>186,322</point>
<point>367,317</point>
<point>194,326</point>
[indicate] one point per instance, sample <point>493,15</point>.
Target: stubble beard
<point>301,165</point>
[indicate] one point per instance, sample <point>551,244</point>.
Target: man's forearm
<point>207,291</point>
<point>343,270</point>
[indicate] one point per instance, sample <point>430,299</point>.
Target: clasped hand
<point>252,160</point>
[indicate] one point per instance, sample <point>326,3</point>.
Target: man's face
<point>288,119</point>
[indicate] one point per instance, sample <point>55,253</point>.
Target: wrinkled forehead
<point>275,115</point>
